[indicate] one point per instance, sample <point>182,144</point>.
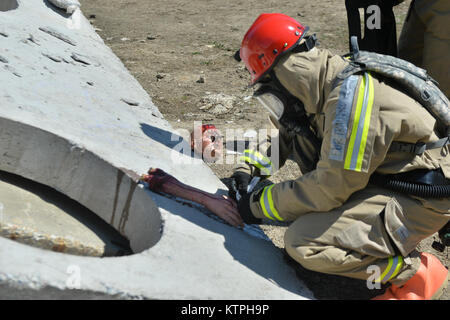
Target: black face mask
<point>290,113</point>
<point>283,106</point>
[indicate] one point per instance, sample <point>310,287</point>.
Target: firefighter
<point>380,34</point>
<point>425,39</point>
<point>341,132</point>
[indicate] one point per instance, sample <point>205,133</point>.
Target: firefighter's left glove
<point>239,183</point>
<point>245,210</point>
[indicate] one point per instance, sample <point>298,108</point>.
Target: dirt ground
<point>182,54</point>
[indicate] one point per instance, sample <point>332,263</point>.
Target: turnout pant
<point>374,234</point>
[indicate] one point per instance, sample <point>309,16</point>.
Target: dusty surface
<point>34,214</point>
<point>182,54</point>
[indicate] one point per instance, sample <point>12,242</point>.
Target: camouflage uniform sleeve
<point>347,158</point>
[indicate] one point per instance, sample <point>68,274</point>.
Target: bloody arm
<point>222,206</point>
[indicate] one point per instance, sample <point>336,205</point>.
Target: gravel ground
<point>182,54</point>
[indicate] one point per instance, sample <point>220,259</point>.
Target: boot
<point>426,284</point>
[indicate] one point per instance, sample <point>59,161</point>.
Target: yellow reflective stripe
<point>397,269</point>
<point>267,204</point>
<point>263,160</point>
<point>393,268</point>
<point>390,261</point>
<point>256,164</point>
<point>351,143</point>
<point>272,207</point>
<point>263,206</point>
<point>258,160</point>
<point>361,125</point>
<point>362,147</point>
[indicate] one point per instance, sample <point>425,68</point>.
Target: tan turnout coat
<point>342,223</point>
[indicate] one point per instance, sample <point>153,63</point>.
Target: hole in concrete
<point>37,215</point>
<point>112,194</point>
<point>6,5</point>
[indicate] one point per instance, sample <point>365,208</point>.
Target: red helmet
<point>269,38</point>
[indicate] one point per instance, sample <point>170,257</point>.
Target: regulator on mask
<point>283,106</point>
<point>290,112</point>
<point>272,100</point>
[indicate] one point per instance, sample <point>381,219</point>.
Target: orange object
<point>426,284</point>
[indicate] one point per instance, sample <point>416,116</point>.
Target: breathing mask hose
<point>414,189</point>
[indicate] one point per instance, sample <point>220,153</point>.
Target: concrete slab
<point>36,215</point>
<point>66,122</point>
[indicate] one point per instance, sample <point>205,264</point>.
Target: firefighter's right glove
<point>244,210</point>
<point>239,183</point>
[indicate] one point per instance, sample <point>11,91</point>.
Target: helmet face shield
<point>272,100</point>
<point>272,103</point>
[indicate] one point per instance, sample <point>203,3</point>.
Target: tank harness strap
<point>418,148</point>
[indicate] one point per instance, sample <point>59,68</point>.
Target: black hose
<point>414,189</point>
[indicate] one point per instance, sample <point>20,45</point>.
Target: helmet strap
<point>309,43</point>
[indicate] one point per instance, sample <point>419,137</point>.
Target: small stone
<point>151,37</point>
<point>201,80</point>
<point>160,76</point>
<point>218,104</point>
<point>90,83</point>
<point>92,16</point>
<point>124,39</point>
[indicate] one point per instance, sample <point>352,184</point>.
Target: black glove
<point>245,211</point>
<point>239,183</point>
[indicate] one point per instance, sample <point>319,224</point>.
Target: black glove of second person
<point>239,183</point>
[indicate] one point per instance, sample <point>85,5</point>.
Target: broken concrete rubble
<point>59,131</point>
<point>69,5</point>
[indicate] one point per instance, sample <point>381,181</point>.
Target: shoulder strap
<point>415,81</point>
<point>418,148</point>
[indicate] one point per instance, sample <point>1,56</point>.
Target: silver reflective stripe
<point>394,266</point>
<point>340,122</point>
<point>362,120</point>
<point>267,205</point>
<point>259,159</point>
